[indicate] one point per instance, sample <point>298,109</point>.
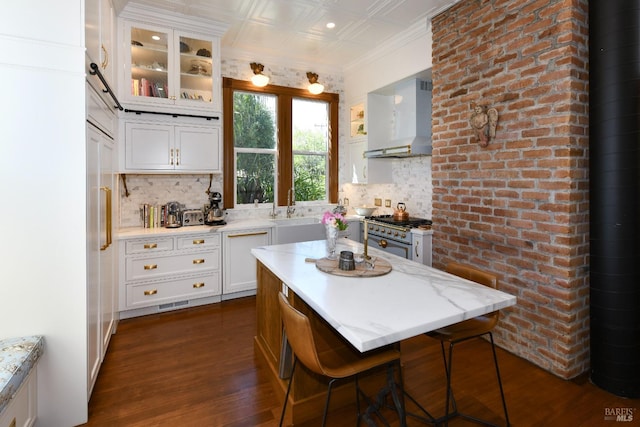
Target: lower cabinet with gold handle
<point>169,272</point>
<point>236,251</point>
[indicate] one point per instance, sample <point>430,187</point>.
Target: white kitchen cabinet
<point>101,289</point>
<point>171,147</point>
<point>99,37</point>
<point>422,246</point>
<point>22,408</point>
<point>170,67</point>
<point>160,273</point>
<point>239,264</point>
<point>356,163</point>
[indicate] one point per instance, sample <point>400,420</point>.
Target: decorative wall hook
<point>483,122</point>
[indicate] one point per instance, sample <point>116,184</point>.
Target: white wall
<point>42,185</point>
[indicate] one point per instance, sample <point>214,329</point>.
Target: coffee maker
<point>174,215</point>
<point>215,214</point>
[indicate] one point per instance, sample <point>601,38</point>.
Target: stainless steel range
<point>395,236</point>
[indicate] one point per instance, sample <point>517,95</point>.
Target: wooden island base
<point>309,391</point>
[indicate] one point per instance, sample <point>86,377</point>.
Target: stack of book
<point>143,87</point>
<point>153,216</point>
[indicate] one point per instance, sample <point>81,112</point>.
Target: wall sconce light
<point>258,79</point>
<point>314,87</point>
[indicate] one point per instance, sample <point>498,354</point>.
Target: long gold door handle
<point>260,233</point>
<point>171,157</point>
<point>198,261</point>
<point>107,213</point>
<point>151,292</point>
<point>198,285</point>
<point>177,156</point>
<point>151,266</point>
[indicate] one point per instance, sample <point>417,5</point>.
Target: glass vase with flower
<point>334,223</point>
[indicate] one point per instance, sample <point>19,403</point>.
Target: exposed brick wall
<point>518,207</point>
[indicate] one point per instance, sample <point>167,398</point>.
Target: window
<point>277,138</point>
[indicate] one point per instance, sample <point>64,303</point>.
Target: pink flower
<point>334,220</point>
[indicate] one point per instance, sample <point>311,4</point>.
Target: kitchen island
<point>364,313</point>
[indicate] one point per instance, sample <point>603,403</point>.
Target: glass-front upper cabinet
<point>168,67</point>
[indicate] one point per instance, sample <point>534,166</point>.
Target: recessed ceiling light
<point>331,25</point>
<point>155,37</point>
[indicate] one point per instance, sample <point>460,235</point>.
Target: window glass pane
<point>310,125</point>
<point>255,177</point>
<point>254,124</point>
<point>310,177</point>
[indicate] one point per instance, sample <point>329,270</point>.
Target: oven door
<point>401,249</point>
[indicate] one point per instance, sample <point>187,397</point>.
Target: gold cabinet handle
<point>198,261</point>
<point>105,62</point>
<point>151,266</point>
<point>108,226</point>
<point>177,156</point>
<point>151,292</point>
<point>198,242</point>
<point>259,233</point>
<point>171,157</point>
<point>150,245</point>
<point>198,285</point>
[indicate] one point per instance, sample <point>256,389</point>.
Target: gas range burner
<point>410,222</point>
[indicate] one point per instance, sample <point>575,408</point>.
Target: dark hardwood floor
<point>196,367</point>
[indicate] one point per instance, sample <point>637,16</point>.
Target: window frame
<point>284,163</point>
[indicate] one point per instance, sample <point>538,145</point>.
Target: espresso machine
<point>215,214</point>
<point>174,215</point>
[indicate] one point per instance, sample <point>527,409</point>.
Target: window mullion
<point>284,179</point>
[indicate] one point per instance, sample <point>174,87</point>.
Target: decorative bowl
<point>364,210</point>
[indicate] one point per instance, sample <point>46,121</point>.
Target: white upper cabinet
<point>171,148</point>
<point>99,37</point>
<point>167,67</point>
<point>170,63</point>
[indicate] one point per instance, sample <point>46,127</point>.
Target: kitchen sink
<point>301,229</point>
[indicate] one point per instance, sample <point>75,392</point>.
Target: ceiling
<point>296,29</point>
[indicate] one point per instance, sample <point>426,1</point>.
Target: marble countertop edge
<point>18,356</point>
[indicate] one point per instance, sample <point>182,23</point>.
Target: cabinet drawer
<point>158,266</point>
<point>148,246</point>
<point>209,240</point>
<point>21,411</point>
<point>175,290</point>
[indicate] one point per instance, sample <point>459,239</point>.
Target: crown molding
<point>155,16</point>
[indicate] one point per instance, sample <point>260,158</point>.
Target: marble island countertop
<point>17,357</point>
<point>375,311</point>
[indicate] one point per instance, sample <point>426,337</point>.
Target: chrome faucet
<point>273,213</point>
<point>291,201</point>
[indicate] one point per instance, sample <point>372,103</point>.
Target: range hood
<point>400,120</point>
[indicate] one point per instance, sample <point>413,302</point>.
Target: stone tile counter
<point>18,356</point>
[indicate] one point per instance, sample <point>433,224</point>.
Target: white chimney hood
<point>400,121</point>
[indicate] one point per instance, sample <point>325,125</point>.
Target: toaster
<point>192,217</point>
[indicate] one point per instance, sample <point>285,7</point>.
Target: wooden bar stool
<point>468,329</point>
<point>335,363</point>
